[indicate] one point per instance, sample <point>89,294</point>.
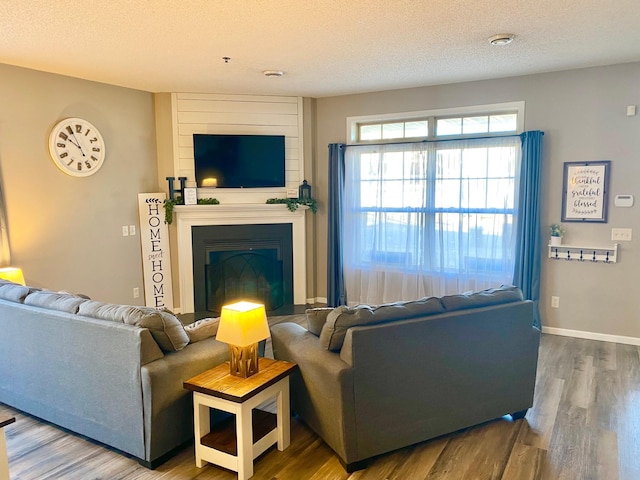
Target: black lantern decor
<point>304,191</point>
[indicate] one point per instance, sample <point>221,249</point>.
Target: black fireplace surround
<point>242,262</point>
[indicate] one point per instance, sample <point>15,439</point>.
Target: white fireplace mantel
<point>188,216</point>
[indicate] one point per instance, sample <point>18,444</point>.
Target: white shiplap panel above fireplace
<point>238,114</point>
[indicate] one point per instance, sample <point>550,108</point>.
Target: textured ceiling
<point>325,47</point>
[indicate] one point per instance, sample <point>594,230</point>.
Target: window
<point>436,216</point>
<point>394,130</point>
<point>429,218</point>
<point>473,125</point>
<point>490,120</point>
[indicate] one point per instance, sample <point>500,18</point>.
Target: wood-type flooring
<point>584,424</point>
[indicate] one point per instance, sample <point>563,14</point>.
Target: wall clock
<point>76,147</point>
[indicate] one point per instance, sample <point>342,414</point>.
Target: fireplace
<point>189,218</point>
<point>242,262</point>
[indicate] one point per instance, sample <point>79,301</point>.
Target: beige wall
<point>583,115</point>
<point>65,232</point>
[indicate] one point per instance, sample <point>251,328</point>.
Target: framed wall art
<point>585,191</point>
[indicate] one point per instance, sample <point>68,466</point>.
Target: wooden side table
<point>236,443</point>
<point>4,459</point>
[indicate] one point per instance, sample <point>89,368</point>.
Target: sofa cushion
<point>485,298</point>
<point>201,329</point>
<point>316,318</point>
<point>62,302</point>
<point>13,292</point>
<point>165,328</point>
<point>342,318</point>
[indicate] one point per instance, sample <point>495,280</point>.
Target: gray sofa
<point>112,373</point>
<point>375,379</point>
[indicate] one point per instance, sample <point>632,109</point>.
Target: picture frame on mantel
<point>585,191</point>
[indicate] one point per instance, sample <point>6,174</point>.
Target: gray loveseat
<point>375,379</point>
<point>112,373</point>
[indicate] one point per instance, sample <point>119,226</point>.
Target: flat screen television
<point>239,161</point>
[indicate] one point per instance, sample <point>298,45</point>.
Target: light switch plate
<point>621,234</point>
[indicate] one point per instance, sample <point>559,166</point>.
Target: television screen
<point>239,161</point>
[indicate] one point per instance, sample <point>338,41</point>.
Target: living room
<point>66,233</point>
<point>63,230</point>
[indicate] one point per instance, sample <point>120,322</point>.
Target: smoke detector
<point>502,39</point>
<point>273,73</point>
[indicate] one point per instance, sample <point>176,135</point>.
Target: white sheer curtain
<point>429,219</point>
<point>5,256</point>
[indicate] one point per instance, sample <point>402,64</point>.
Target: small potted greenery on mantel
<point>556,233</point>
<point>293,203</point>
<point>169,204</point>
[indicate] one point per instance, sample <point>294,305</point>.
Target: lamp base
<point>243,361</point>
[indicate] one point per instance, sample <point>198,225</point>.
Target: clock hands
<point>76,143</point>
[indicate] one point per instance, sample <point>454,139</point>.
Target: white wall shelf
<point>582,253</point>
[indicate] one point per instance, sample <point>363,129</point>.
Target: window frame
<point>353,123</point>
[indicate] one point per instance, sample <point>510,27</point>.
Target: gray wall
<point>583,115</point>
<point>65,232</point>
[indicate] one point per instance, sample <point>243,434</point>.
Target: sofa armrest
<point>296,342</point>
<point>322,390</point>
<point>167,405</point>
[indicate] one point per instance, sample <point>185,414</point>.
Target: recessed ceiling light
<point>502,39</point>
<point>273,73</point>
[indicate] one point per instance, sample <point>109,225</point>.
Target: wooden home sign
<point>156,257</point>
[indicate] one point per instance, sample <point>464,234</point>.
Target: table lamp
<point>242,326</point>
<point>12,274</point>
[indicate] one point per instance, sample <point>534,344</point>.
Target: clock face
<point>76,147</point>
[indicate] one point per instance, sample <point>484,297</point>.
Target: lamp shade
<point>12,274</point>
<point>242,324</point>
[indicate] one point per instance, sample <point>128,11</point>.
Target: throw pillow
<point>166,329</point>
<point>316,318</point>
<point>62,302</point>
<point>339,320</point>
<point>201,329</point>
<point>13,292</point>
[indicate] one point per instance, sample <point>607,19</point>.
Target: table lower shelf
<point>223,435</point>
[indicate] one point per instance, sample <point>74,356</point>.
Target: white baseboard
<point>311,301</point>
<point>603,337</point>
